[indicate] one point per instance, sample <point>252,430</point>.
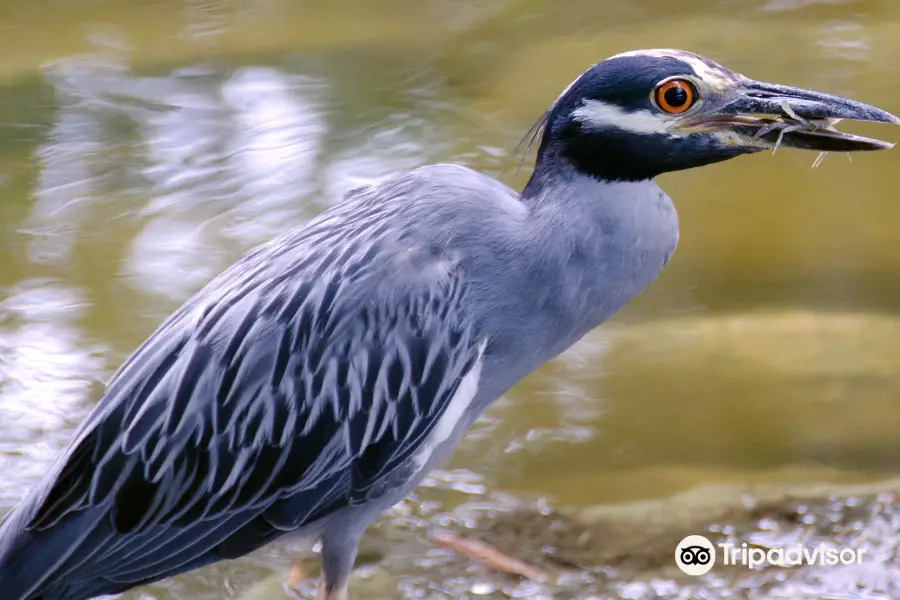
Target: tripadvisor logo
<point>696,555</point>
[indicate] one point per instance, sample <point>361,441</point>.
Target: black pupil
<point>676,96</point>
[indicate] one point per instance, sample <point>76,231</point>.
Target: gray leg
<point>338,555</point>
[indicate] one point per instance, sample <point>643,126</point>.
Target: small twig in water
<point>489,556</point>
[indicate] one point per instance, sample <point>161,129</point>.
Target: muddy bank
<point>626,551</point>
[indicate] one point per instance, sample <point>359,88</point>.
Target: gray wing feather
<point>290,386</point>
<point>190,425</point>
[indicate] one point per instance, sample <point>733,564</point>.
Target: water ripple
<point>47,372</point>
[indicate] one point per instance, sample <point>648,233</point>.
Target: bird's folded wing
<point>273,390</point>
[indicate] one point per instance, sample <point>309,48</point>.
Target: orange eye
<point>675,96</point>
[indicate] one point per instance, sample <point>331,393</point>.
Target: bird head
<point>639,114</point>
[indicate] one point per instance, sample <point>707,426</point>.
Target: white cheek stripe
<point>594,113</point>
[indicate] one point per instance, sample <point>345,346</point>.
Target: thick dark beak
<point>769,115</point>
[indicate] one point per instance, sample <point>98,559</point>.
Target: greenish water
<point>145,145</point>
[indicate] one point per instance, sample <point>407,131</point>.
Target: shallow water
<point>146,145</point>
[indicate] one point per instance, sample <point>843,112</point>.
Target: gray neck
<point>610,239</point>
<point>588,248</point>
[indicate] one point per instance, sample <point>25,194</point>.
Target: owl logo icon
<point>695,555</point>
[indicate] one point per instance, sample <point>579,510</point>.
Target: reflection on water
<point>216,158</point>
<point>147,146</point>
<point>248,144</point>
<point>47,371</point>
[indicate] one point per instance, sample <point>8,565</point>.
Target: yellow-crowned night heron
<point>315,382</point>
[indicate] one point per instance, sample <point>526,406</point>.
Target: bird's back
<point>287,389</point>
